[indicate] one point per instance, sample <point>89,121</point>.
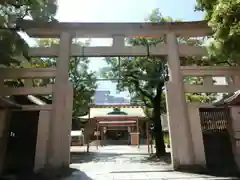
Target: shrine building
<point>119,124</point>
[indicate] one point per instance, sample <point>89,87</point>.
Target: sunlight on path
<point>123,163</point>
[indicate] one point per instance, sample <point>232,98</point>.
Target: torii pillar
<point>179,127</point>
<point>56,156</point>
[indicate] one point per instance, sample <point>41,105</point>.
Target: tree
<point>83,80</point>
<point>138,76</point>
<point>145,77</point>
<point>135,75</point>
<point>224,19</point>
<point>198,97</point>
<point>14,50</point>
<point>12,46</point>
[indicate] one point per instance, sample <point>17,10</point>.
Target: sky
<point>121,11</point>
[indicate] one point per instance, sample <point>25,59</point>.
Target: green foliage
<point>145,77</point>
<point>40,10</point>
<point>167,139</point>
<point>198,97</point>
<point>12,47</point>
<point>83,80</point>
<point>84,84</point>
<point>224,19</point>
<point>117,111</point>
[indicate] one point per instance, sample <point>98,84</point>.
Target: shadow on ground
<point>152,158</point>
<point>62,173</point>
<point>195,169</point>
<point>164,163</point>
<point>132,158</point>
<point>204,171</point>
<point>84,157</point>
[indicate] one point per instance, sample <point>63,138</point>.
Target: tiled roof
<point>230,99</point>
<point>103,111</point>
<point>116,106</point>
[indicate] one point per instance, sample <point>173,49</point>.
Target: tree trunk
<point>159,137</point>
<point>157,131</point>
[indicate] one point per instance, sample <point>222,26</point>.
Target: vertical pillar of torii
<point>67,126</point>
<point>179,127</point>
<point>55,157</point>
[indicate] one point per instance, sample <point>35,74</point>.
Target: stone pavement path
<point>124,163</point>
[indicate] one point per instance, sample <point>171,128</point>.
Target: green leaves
<point>11,44</point>
<point>84,82</point>
<point>145,77</point>
<point>224,18</point>
<point>13,49</point>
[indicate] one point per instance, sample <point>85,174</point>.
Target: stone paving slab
<point>124,163</point>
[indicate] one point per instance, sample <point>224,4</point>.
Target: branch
<point>146,103</point>
<point>227,62</point>
<point>136,83</point>
<point>25,14</point>
<point>158,96</point>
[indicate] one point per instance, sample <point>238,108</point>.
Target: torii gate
<point>180,134</point>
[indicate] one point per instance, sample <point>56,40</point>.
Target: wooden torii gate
<point>180,133</point>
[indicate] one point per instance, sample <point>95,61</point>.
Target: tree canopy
<point>83,80</point>
<point>12,47</point>
<point>224,19</point>
<point>14,50</point>
<point>145,77</point>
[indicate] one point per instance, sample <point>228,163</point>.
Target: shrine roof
<point>232,99</point>
<point>111,111</point>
